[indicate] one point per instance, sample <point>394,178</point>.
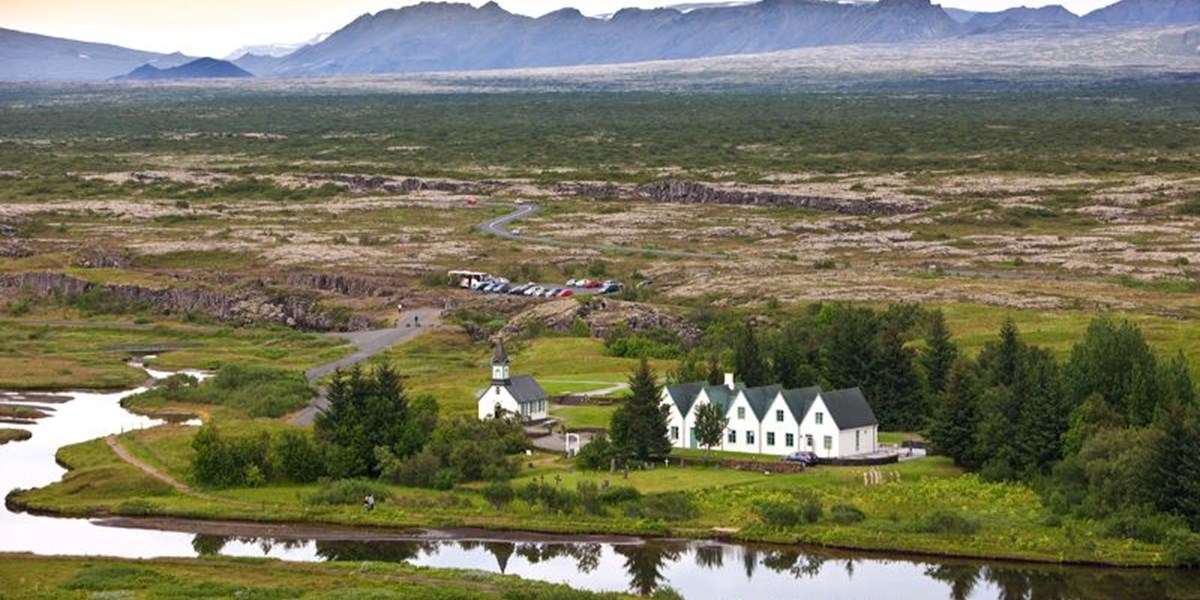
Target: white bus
<point>467,279</point>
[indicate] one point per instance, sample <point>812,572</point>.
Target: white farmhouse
<point>772,420</point>
<point>520,395</point>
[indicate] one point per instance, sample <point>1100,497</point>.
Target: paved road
<point>499,227</point>
<point>369,343</point>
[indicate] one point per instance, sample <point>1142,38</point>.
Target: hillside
<point>28,56</point>
<point>201,68</point>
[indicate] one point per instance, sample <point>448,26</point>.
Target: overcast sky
<point>217,27</point>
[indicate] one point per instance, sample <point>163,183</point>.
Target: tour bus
<point>467,279</point>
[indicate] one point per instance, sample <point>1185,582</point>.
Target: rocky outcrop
<point>690,192</point>
<point>241,307</point>
<point>602,316</point>
<point>103,258</point>
<point>363,184</point>
<point>346,285</point>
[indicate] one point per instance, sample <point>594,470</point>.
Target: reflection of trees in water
<point>798,564</point>
<point>710,556</point>
<point>644,564</point>
<point>961,578</point>
<point>586,556</point>
<point>383,551</point>
<point>502,551</point>
<point>208,545</point>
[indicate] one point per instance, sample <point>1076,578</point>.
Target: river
<point>698,570</point>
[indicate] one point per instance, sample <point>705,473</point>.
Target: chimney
<point>729,380</point>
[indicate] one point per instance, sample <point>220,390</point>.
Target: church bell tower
<point>500,366</point>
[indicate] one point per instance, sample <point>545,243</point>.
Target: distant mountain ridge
<point>201,68</point>
<point>446,36</point>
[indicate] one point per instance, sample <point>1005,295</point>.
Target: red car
<point>590,283</point>
<point>566,294</point>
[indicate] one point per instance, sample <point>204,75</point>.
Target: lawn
<point>29,577</point>
<point>584,416</point>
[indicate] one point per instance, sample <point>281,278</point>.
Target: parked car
<point>535,290</point>
<point>566,294</point>
<point>803,457</point>
<point>519,289</point>
<point>589,283</point>
<point>552,292</point>
<point>572,282</point>
<point>609,288</point>
<point>501,289</point>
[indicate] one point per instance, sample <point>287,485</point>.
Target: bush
<point>671,506</point>
<point>1184,548</point>
<point>598,454</point>
<point>618,494</point>
<point>257,391</point>
<point>804,508</point>
<point>498,494</point>
<point>296,456</point>
<point>347,492</point>
<point>445,479</point>
<point>950,523</point>
<point>589,497</point>
<point>220,462</point>
<point>846,514</point>
<point>824,264</point>
<point>1150,528</point>
<point>418,470</point>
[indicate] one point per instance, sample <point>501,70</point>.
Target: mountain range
<point>201,68</point>
<point>437,36</point>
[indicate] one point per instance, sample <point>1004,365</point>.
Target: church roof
<point>524,388</point>
<point>500,357</point>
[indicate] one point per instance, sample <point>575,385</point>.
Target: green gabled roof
<point>720,395</point>
<point>760,399</point>
<point>849,408</point>
<point>684,395</point>
<point>800,400</point>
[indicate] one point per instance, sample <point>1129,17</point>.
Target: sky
<point>218,27</point>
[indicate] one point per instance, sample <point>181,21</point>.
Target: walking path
<point>124,454</point>
<point>369,343</point>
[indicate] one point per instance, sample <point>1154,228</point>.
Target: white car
<point>534,291</point>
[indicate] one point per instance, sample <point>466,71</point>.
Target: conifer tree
<point>956,420</point>
<point>748,362</point>
<point>638,428</point>
<point>939,353</point>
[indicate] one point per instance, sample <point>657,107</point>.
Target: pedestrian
<point>369,503</point>
<point>417,320</point>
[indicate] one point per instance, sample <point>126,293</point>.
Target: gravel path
<point>145,468</point>
<point>369,343</point>
<point>499,227</point>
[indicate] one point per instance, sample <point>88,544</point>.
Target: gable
<point>760,399</point>
<point>684,396</point>
<point>849,409</point>
<point>800,401</point>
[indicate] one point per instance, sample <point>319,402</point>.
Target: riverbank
<point>32,577</point>
<point>1011,522</point>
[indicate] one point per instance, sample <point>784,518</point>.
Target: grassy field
<point>50,356</point>
<point>29,577</point>
<point>1012,522</point>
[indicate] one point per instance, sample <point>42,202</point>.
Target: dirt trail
<point>124,454</point>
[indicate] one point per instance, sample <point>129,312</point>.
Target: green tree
<point>638,428</point>
<point>710,426</point>
<point>716,375</point>
<point>1115,362</point>
<point>1176,465</point>
<point>748,361</point>
<point>794,356</point>
<point>895,388</point>
<point>956,418</point>
<point>690,368</point>
<point>849,354</point>
<point>939,354</point>
<point>366,412</point>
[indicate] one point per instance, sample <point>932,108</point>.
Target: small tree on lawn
<point>639,427</point>
<point>710,426</point>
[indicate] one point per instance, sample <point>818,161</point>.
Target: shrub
<point>417,470</point>
<point>1184,548</point>
<point>846,514</point>
<point>671,506</point>
<point>221,462</point>
<point>598,454</point>
<point>824,264</point>
<point>1151,528</point>
<point>445,479</point>
<point>296,456</point>
<point>620,493</point>
<point>347,492</point>
<point>589,497</point>
<point>778,514</point>
<point>947,522</point>
<point>257,391</point>
<point>498,494</point>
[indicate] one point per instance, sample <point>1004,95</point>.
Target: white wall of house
<point>778,423</point>
<point>861,440</point>
<point>823,431</point>
<point>675,429</point>
<point>744,423</point>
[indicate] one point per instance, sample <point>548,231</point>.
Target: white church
<point>772,420</point>
<point>520,395</point>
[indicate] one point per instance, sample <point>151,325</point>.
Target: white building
<point>520,395</point>
<point>772,420</point>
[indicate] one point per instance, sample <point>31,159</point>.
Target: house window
<point>789,439</point>
<point>857,440</point>
<point>808,440</point>
<point>779,416</point>
<point>749,437</point>
<point>829,442</point>
<point>674,433</point>
<point>732,436</point>
<point>770,438</point>
<point>741,412</point>
<point>820,418</point>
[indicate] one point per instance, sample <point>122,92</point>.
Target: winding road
<point>368,343</point>
<point>499,227</point>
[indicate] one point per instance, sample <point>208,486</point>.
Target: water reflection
<point>706,569</point>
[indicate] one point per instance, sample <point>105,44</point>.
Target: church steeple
<point>500,365</point>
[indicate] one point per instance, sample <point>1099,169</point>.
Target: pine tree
<point>1044,416</point>
<point>1007,365</point>
<point>849,357</point>
<point>956,420</point>
<point>748,361</point>
<point>1176,477</point>
<point>639,427</point>
<point>939,353</point>
<point>895,388</point>
<point>794,358</point>
<point>716,375</point>
<point>369,412</point>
